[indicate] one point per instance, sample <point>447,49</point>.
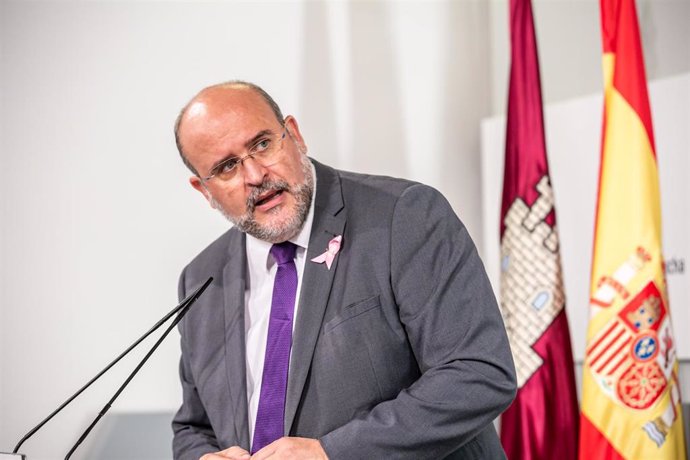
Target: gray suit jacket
<point>399,349</point>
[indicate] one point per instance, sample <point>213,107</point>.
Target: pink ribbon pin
<point>329,255</point>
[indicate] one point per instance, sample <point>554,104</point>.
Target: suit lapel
<point>234,274</point>
<point>328,222</point>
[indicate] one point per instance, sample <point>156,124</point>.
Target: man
<point>349,317</point>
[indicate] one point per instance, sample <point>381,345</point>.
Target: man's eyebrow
<point>248,145</point>
<point>263,133</point>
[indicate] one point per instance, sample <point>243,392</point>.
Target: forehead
<point>223,115</point>
<point>235,105</point>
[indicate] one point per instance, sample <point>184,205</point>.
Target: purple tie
<point>271,413</point>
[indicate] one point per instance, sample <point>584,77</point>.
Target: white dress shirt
<point>261,272</point>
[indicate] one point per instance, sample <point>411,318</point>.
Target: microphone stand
<point>105,409</point>
<point>182,307</point>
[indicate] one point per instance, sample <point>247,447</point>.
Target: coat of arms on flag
<point>632,358</point>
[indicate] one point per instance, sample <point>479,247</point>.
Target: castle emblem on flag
<point>531,289</point>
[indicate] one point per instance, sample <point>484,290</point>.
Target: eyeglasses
<point>266,150</point>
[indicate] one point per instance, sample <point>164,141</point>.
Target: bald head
<point>212,102</point>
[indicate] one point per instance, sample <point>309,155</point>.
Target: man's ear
<point>201,188</point>
<point>293,131</point>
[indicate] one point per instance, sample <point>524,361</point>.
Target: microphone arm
<point>107,406</point>
<point>188,301</point>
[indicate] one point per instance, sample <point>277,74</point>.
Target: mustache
<point>266,186</point>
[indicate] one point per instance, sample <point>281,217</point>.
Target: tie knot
<point>283,252</point>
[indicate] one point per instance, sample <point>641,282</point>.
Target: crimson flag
<point>542,422</point>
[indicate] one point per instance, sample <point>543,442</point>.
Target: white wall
<point>96,218</point>
<point>569,41</point>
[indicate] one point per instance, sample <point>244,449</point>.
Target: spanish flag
<point>631,397</point>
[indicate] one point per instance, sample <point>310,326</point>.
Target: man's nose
<point>254,172</point>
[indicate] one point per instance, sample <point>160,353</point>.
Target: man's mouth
<point>268,197</point>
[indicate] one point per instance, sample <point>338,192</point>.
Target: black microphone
<point>182,308</point>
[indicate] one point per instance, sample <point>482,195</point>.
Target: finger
<point>266,452</point>
<point>263,454</point>
<point>233,453</point>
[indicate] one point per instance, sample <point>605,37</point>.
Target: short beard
<point>279,231</point>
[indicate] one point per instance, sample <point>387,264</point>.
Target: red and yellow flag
<point>541,424</point>
<point>631,396</point>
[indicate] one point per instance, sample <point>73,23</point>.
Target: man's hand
<point>233,453</point>
<point>292,448</point>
